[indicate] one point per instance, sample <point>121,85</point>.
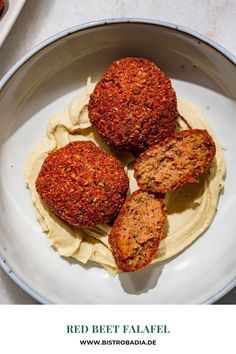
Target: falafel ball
<point>137,230</point>
<point>176,161</point>
<point>82,184</point>
<point>134,105</point>
<point>2,5</point>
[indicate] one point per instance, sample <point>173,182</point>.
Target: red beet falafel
<point>2,5</point>
<point>137,230</point>
<point>176,161</point>
<point>134,105</point>
<point>82,184</point>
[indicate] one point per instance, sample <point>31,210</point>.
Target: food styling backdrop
<point>40,19</point>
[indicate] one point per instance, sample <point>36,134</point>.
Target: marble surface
<point>40,19</point>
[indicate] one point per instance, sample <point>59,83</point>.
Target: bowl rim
<point>93,24</point>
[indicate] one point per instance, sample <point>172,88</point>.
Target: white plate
<point>43,83</point>
<point>9,16</point>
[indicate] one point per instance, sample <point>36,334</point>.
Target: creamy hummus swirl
<point>190,209</point>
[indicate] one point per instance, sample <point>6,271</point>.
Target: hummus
<point>190,209</point>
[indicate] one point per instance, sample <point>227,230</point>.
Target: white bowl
<point>11,10</point>
<point>42,83</point>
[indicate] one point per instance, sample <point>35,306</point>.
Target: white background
<point>193,329</point>
<point>40,19</point>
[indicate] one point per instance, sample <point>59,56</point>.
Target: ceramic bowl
<point>42,83</point>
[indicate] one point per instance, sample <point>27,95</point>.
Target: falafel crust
<point>134,105</point>
<point>82,184</point>
<point>2,5</point>
<point>176,161</point>
<point>137,230</point>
